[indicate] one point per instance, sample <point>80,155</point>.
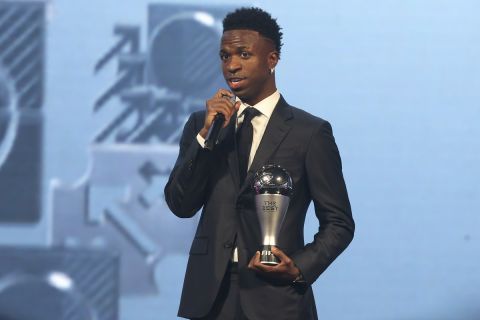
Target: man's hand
<point>219,103</point>
<point>284,271</point>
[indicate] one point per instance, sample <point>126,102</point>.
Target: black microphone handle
<point>212,135</point>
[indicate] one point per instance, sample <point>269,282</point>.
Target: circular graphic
<point>183,54</point>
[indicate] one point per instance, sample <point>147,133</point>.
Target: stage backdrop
<point>93,98</point>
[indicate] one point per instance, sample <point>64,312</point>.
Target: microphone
<point>212,135</point>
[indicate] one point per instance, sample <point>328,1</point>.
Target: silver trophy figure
<point>273,187</point>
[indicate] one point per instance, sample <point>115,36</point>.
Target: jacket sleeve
<point>332,206</point>
<point>186,189</point>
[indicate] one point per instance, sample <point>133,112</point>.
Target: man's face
<point>247,58</point>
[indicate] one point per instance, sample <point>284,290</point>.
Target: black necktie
<point>244,141</point>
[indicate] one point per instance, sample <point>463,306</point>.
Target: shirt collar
<point>265,106</point>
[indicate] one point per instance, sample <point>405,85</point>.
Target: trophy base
<point>267,257</point>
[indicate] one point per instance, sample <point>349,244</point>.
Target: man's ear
<point>273,58</point>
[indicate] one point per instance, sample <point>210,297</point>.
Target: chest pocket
<point>291,159</point>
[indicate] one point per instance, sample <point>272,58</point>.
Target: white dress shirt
<point>259,125</point>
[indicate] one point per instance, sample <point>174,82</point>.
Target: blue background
<point>400,83</point>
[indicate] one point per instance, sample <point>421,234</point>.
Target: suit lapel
<point>276,130</point>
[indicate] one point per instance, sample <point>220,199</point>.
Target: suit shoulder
<point>196,119</point>
<point>198,115</point>
<point>308,119</point>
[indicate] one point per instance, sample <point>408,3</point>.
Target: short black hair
<point>255,19</point>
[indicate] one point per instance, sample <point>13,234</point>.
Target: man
<point>224,277</point>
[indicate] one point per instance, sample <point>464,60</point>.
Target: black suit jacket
<point>209,180</point>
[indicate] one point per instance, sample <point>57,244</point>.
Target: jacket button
<point>228,245</point>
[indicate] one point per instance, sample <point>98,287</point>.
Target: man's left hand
<point>284,271</point>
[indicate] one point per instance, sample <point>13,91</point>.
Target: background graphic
<point>93,99</point>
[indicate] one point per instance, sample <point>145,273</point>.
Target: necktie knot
<point>250,113</point>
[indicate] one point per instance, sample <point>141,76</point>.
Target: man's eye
<point>245,54</point>
<point>223,56</point>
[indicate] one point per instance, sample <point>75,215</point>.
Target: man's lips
<point>235,82</point>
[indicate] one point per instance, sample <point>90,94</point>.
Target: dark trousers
<point>227,304</point>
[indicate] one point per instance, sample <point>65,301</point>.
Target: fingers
<point>220,103</point>
<point>223,95</point>
<point>223,92</point>
<point>285,270</point>
<point>258,266</point>
<point>236,106</point>
<point>281,255</point>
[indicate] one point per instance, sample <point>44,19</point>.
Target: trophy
<point>273,187</point>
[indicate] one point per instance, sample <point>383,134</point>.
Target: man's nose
<point>234,65</point>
